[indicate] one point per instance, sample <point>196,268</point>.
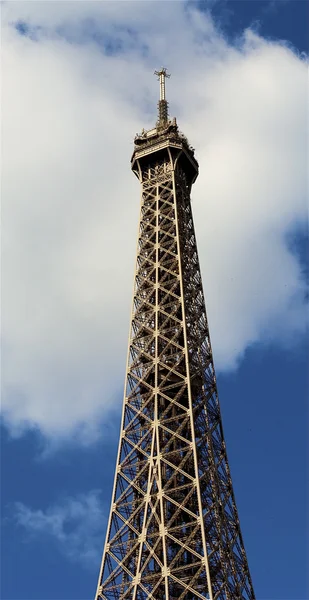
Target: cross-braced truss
<point>173,531</point>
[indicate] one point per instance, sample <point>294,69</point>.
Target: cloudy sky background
<point>77,84</point>
<point>76,88</point>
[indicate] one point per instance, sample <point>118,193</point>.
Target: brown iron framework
<point>173,530</point>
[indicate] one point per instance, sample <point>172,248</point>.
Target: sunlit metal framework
<point>173,530</point>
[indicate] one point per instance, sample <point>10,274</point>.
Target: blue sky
<point>60,431</point>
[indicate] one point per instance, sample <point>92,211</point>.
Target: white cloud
<point>76,525</point>
<point>70,203</point>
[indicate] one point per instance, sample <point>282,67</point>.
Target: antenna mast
<point>162,104</point>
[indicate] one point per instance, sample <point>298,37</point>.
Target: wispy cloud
<point>76,525</point>
<point>71,106</point>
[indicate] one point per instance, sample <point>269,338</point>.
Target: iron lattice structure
<point>173,530</point>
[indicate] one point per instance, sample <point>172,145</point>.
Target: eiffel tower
<point>173,531</point>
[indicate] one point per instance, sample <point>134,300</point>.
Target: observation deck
<point>165,138</point>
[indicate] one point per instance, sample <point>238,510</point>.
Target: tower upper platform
<point>164,141</point>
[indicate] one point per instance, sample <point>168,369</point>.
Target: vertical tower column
<point>173,530</point>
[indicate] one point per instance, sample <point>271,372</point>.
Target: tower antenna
<point>162,104</point>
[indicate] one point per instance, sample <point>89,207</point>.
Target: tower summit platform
<point>164,140</point>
